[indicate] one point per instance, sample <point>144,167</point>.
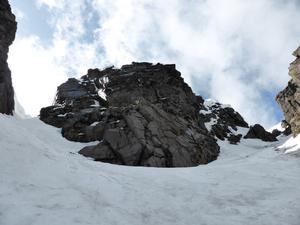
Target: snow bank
<point>44,181</point>
<point>292,145</point>
<point>19,110</point>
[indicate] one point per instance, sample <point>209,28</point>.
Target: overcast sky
<point>234,51</point>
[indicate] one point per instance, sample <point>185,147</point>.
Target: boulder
<point>234,139</point>
<point>8,28</point>
<point>101,153</point>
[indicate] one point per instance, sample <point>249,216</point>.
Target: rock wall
<point>8,28</point>
<point>289,98</point>
<point>140,114</point>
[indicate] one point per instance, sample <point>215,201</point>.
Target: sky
<point>234,51</point>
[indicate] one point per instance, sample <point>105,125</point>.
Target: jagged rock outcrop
<point>276,132</point>
<point>289,98</point>
<point>222,121</point>
<point>284,129</point>
<point>287,128</point>
<point>141,114</point>
<point>8,28</point>
<point>258,132</point>
<point>145,115</point>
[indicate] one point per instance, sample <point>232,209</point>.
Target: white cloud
<point>234,50</point>
<point>69,20</point>
<point>18,13</point>
<point>51,3</point>
<point>36,75</point>
<point>38,68</point>
<point>238,49</point>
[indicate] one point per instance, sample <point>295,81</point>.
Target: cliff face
<point>141,114</point>
<point>8,28</point>
<point>289,98</point>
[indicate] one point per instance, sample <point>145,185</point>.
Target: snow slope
<point>44,182</point>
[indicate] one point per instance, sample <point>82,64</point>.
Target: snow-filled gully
<point>44,181</point>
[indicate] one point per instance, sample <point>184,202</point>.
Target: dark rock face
<point>289,98</point>
<point>258,132</point>
<point>222,121</point>
<point>276,132</point>
<point>8,28</point>
<point>234,138</point>
<point>141,114</point>
<point>286,129</point>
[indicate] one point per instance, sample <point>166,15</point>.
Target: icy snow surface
<point>44,182</point>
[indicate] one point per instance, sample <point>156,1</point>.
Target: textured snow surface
<point>44,182</point>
